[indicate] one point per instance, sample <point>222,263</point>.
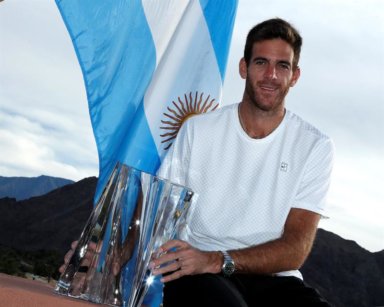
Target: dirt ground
<point>21,292</point>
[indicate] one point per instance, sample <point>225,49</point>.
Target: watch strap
<point>228,265</point>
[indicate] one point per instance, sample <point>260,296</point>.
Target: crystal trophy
<point>136,213</point>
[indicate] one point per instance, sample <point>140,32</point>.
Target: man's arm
<point>286,253</point>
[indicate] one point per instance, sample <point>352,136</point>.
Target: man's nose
<point>271,72</point>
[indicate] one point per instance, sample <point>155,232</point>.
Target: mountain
<point>26,187</point>
<point>48,222</point>
<point>346,274</point>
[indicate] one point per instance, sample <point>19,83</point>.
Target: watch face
<point>229,268</point>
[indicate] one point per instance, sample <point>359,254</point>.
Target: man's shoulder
<point>213,116</point>
<point>304,127</point>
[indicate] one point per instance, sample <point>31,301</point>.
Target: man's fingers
<point>68,256</point>
<point>93,247</point>
<point>74,244</point>
<point>166,258</point>
<point>62,268</point>
<point>173,276</point>
<point>85,261</point>
<point>174,244</point>
<point>174,266</point>
<point>169,251</point>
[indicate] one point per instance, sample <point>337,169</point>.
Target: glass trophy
<point>136,213</point>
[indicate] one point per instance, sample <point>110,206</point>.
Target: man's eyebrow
<point>259,58</point>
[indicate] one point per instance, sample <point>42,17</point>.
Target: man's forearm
<point>179,258</point>
<point>268,258</point>
<point>286,253</point>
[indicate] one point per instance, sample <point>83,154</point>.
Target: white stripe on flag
<point>163,19</point>
<point>187,63</point>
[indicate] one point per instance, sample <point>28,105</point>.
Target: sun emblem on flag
<point>181,111</point>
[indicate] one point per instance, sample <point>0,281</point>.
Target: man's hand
<point>86,260</point>
<point>179,259</point>
<point>82,275</point>
<point>68,256</point>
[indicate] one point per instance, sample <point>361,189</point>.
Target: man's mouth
<point>268,87</point>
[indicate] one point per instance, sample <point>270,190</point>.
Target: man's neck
<point>258,123</point>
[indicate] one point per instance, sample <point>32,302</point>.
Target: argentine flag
<point>147,65</point>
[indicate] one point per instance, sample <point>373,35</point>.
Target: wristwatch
<point>229,265</point>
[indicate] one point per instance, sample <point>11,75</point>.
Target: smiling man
<point>262,175</point>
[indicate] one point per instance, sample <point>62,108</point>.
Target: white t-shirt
<point>246,187</point>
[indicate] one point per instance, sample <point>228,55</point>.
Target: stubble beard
<point>258,99</point>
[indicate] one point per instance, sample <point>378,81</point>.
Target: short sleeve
<point>315,181</point>
<point>175,164</point>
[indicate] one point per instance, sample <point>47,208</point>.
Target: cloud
<point>356,198</point>
<point>367,232</point>
<point>30,149</point>
<point>45,126</point>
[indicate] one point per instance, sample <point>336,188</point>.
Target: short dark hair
<point>271,29</point>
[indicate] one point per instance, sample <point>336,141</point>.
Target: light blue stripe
<point>116,75</point>
<point>220,27</point>
<point>141,151</point>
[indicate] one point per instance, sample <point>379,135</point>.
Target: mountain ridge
<point>22,188</point>
<point>345,273</point>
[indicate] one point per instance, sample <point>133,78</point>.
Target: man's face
<point>269,74</point>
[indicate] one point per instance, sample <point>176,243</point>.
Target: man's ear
<point>243,68</point>
<point>295,76</point>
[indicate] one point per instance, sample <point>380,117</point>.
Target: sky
<point>45,126</point>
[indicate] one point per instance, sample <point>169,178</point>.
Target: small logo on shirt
<point>284,167</point>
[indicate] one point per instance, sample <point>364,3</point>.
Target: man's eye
<point>284,66</point>
<point>259,62</point>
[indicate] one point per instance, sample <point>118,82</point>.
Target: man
<point>261,174</point>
